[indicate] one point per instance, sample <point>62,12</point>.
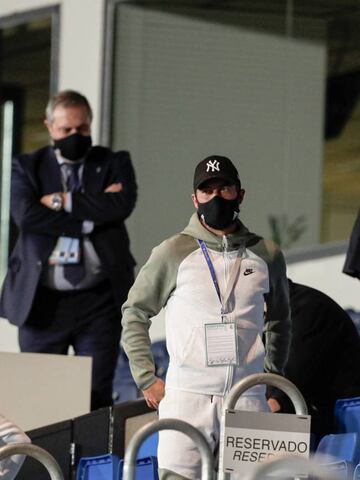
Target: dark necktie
<point>73,182</point>
<point>74,273</point>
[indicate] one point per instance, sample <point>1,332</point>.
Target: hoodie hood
<point>240,238</point>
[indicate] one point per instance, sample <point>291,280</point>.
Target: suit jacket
<point>38,174</point>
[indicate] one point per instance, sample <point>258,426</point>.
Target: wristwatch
<point>57,202</point>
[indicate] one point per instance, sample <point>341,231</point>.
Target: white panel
<point>81,43</point>
<point>187,87</point>
<point>8,337</point>
<point>42,389</point>
<point>325,274</point>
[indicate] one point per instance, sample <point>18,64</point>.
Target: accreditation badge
<point>221,344</point>
<point>66,251</point>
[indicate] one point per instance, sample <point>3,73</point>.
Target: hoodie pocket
<point>193,354</point>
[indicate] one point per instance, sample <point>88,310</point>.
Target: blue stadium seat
<point>340,446</point>
<point>348,418</point>
<point>346,410</point>
<point>149,447</point>
<point>355,317</point>
<point>351,418</point>
<point>146,459</point>
<point>146,469</point>
<point>110,467</point>
<point>341,470</point>
<point>341,452</point>
<point>124,387</point>
<point>103,467</point>
<point>342,402</point>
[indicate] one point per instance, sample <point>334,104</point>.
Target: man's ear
<point>194,200</point>
<point>241,195</point>
<point>48,126</point>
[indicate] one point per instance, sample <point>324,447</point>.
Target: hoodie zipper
<point>230,368</point>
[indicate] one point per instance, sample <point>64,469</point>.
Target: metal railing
<point>286,466</point>
<point>36,452</point>
<point>207,461</point>
<point>250,381</point>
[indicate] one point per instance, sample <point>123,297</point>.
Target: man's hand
<point>114,188</point>
<point>46,200</point>
<point>154,394</point>
<point>274,405</point>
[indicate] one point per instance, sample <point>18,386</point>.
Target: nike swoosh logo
<point>248,272</point>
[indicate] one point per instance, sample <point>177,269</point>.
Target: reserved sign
<point>254,437</point>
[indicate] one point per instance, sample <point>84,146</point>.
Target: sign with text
<point>254,437</point>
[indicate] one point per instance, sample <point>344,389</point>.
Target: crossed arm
<point>46,200</point>
<point>32,211</point>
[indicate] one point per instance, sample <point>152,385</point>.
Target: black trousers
<point>87,320</point>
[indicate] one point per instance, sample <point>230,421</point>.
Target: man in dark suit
<point>71,268</point>
<point>324,356</point>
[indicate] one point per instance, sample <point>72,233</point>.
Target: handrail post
<point>288,463</point>
<point>250,381</point>
<point>168,424</point>
<point>36,452</point>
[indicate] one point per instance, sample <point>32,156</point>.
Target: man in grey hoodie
<point>213,280</point>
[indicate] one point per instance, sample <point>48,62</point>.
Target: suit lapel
<point>50,174</point>
<point>92,178</point>
<point>94,172</point>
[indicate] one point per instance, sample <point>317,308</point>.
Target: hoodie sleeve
<point>149,294</point>
<point>277,328</point>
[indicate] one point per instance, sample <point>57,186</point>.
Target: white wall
<point>325,274</point>
<point>8,337</point>
<point>81,45</point>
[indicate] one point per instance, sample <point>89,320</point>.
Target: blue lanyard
<point>212,270</point>
<point>232,278</point>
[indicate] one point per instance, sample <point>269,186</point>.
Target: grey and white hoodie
<point>176,277</point>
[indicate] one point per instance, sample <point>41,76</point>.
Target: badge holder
<point>221,344</point>
<point>66,251</point>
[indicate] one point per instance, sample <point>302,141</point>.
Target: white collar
<point>65,161</point>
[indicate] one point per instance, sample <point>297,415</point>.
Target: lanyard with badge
<point>67,250</point>
<point>220,337</point>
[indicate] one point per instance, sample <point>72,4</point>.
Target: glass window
<point>341,176</point>
<point>25,86</point>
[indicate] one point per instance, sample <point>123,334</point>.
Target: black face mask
<point>74,146</point>
<point>219,213</point>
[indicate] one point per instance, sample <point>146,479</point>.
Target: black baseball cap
<point>216,166</point>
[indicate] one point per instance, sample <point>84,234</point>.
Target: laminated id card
<point>221,344</point>
<point>66,251</point>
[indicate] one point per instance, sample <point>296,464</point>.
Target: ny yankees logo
<point>214,165</point>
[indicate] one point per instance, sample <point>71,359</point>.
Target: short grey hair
<point>67,98</point>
